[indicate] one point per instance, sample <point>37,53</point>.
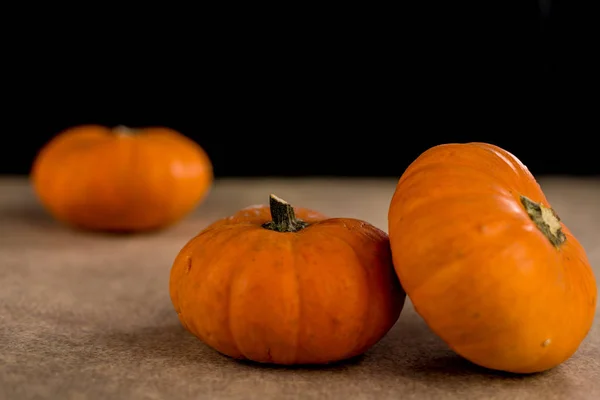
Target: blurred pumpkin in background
<point>121,179</point>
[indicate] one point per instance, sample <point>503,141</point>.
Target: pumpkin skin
<point>124,180</point>
<point>495,275</point>
<point>287,290</point>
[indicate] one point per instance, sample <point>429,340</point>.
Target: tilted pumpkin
<point>287,285</point>
<point>486,261</point>
<point>97,178</point>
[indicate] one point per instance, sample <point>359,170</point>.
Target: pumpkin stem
<point>546,220</point>
<point>123,130</point>
<point>284,217</point>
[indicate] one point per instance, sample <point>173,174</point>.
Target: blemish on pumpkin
<point>188,267</point>
<point>546,343</point>
<point>269,356</point>
<point>476,315</point>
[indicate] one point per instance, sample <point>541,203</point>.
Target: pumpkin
<point>284,285</point>
<point>97,178</point>
<point>487,262</point>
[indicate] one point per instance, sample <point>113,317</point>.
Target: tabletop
<point>88,316</point>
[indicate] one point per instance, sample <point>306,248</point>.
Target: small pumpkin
<point>283,285</point>
<point>487,262</point>
<point>97,178</point>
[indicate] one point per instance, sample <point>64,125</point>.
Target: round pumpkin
<point>97,178</point>
<point>283,285</point>
<point>487,262</point>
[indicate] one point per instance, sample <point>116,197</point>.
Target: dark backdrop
<point>319,92</point>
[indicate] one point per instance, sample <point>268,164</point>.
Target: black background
<point>313,91</point>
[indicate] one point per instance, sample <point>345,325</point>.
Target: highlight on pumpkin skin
<point>251,290</point>
<point>502,277</point>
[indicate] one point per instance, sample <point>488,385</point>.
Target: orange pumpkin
<point>487,262</point>
<point>287,285</point>
<point>120,179</point>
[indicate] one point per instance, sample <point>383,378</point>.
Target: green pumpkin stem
<point>546,220</point>
<point>284,217</point>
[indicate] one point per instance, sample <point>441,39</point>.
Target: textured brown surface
<point>85,316</point>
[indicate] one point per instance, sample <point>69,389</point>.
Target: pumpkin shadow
<point>341,365</point>
<point>415,352</point>
<point>154,343</point>
<point>173,344</point>
<point>117,234</point>
<point>453,364</point>
<point>30,216</point>
<point>35,217</point>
